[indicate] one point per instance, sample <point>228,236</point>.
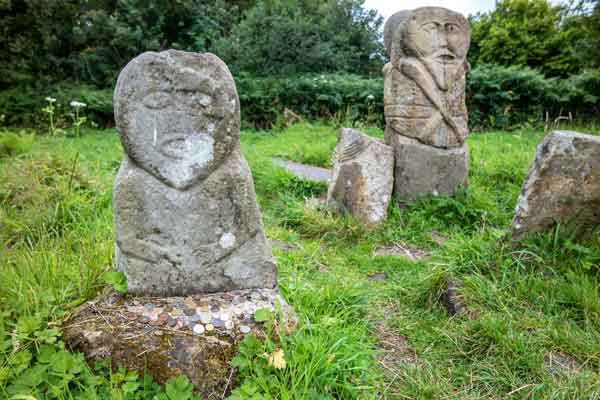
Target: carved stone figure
<point>362,176</point>
<point>186,217</point>
<point>424,98</point>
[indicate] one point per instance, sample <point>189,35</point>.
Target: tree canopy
<point>305,36</point>
<point>90,40</point>
<point>558,40</point>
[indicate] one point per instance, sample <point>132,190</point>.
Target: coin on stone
<point>198,329</point>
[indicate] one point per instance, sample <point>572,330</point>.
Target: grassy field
<point>372,325</point>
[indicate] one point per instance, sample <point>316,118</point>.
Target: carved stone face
<point>178,115</point>
<point>440,39</point>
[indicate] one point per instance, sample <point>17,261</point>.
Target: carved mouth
<point>176,147</point>
<point>445,57</point>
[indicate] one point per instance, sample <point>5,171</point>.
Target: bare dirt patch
<point>438,237</point>
<point>560,362</point>
<point>400,249</point>
<point>378,276</point>
<point>395,348</point>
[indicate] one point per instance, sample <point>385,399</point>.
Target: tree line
<point>320,57</point>
<point>89,41</point>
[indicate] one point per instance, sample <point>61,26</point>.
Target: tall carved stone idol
<point>186,217</point>
<point>424,99</point>
<point>189,235</point>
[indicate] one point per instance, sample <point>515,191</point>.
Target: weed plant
<point>531,329</point>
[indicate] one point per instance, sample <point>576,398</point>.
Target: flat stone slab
<point>304,171</point>
<point>563,185</point>
<point>168,336</point>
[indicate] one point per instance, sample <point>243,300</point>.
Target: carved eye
<point>430,27</point>
<point>157,100</point>
<point>451,28</point>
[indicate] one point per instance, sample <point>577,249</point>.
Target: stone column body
<point>186,217</point>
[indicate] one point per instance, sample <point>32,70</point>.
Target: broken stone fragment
<point>563,185</point>
<point>362,179</point>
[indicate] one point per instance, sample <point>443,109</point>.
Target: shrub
<point>12,143</point>
<point>502,97</point>
<point>344,97</point>
<point>22,105</point>
<point>583,94</point>
<point>509,97</point>
<point>498,97</point>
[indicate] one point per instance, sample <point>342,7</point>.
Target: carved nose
<point>443,40</point>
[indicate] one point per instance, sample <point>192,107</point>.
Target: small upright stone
<point>362,176</point>
<point>424,100</point>
<point>186,217</point>
<point>563,185</point>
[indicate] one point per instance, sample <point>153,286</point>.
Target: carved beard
<point>445,73</point>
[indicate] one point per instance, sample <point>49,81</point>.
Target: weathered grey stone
<point>563,185</point>
<point>362,176</point>
<point>422,170</point>
<point>304,171</point>
<point>424,90</point>
<point>186,217</point>
<point>111,327</point>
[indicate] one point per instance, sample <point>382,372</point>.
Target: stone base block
<point>169,336</point>
<point>422,170</point>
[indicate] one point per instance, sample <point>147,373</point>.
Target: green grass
<point>524,304</point>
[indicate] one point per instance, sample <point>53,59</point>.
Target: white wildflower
<point>370,97</point>
<point>77,104</point>
<point>50,99</point>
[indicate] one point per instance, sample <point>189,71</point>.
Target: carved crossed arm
<point>413,72</point>
<point>147,251</point>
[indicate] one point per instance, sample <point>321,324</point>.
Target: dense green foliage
<point>290,37</point>
<point>90,41</point>
<point>533,313</point>
<point>513,97</point>
<point>497,97</point>
<point>553,38</point>
<point>24,106</point>
<point>344,98</point>
<point>293,54</point>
